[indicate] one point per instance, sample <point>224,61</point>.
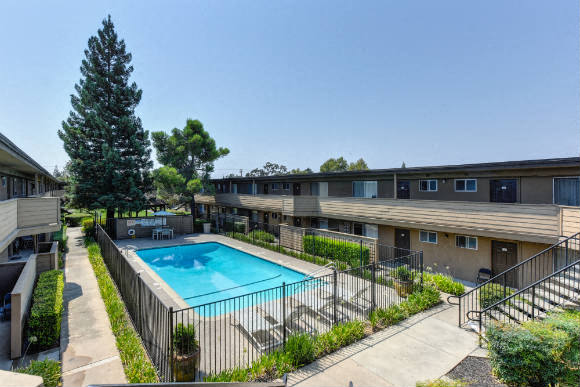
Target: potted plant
<point>403,280</point>
<point>186,353</point>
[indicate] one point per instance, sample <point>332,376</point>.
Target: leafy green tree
<point>269,169</point>
<point>170,185</point>
<point>298,171</point>
<point>359,165</point>
<point>334,165</point>
<point>108,148</point>
<point>192,153</point>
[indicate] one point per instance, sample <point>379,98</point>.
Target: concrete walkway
<point>423,347</point>
<point>88,351</point>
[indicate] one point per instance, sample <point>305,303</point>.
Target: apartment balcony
<point>541,223</point>
<point>285,204</point>
<point>28,216</point>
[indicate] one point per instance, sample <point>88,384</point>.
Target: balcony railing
<point>27,216</point>
<point>540,223</point>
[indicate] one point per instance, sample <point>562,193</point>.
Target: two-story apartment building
<point>27,208</point>
<point>466,217</point>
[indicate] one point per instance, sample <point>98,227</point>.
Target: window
<point>286,186</point>
<point>3,181</point>
<point>319,189</point>
<point>364,189</point>
<point>275,185</point>
<point>428,236</point>
<point>234,211</point>
<point>357,228</point>
<point>371,230</point>
<point>254,216</point>
<point>465,185</point>
<point>285,218</point>
<point>428,185</point>
<point>466,242</point>
<point>567,191</point>
<point>234,188</point>
<point>274,215</point>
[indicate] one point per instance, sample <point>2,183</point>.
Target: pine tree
<point>105,140</point>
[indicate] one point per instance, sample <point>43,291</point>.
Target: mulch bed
<point>476,371</point>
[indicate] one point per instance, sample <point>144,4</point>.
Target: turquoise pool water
<point>208,272</point>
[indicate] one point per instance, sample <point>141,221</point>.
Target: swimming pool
<point>209,272</point>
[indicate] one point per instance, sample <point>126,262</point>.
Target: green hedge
<point>136,363</point>
<point>348,252</point>
<point>75,220</point>
<point>235,226</point>
<point>46,311</point>
<point>263,236</point>
<point>537,353</point>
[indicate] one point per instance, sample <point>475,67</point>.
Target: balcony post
<point>394,185</point>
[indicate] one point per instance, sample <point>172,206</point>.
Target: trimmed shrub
<point>75,219</point>
<point>403,273</point>
<point>262,236</point>
<point>347,252</point>
<point>339,336</point>
<point>48,369</point>
<point>88,227</point>
<point>444,283</point>
<point>46,310</point>
<point>537,353</point>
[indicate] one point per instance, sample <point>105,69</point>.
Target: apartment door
<point>296,189</point>
<point>403,191</point>
<point>503,191</point>
<point>266,189</point>
<point>503,256</point>
<point>266,218</point>
<point>402,241</point>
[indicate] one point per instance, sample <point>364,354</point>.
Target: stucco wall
<point>181,224</point>
<point>537,190</point>
<point>20,300</point>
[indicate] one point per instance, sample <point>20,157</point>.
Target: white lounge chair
<point>263,334</point>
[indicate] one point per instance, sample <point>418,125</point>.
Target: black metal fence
<point>206,339</point>
<point>235,332</point>
<point>520,276</point>
<point>322,245</point>
<point>150,317</point>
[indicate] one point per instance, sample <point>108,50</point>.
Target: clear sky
<point>296,82</point>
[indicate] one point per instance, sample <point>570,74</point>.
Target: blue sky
<point>296,82</point>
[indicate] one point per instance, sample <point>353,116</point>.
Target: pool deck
<point>167,295</point>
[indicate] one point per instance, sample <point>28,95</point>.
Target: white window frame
<point>429,185</point>
<point>467,242</point>
<point>275,186</point>
<point>428,235</point>
<point>464,190</point>
<point>554,186</point>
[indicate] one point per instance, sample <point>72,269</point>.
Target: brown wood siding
<point>537,190</point>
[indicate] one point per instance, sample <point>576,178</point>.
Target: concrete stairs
<point>557,290</point>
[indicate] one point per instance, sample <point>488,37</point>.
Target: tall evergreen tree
<point>105,140</point>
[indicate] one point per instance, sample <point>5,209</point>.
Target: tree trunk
<point>110,213</point>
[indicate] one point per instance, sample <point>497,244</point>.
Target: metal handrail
<point>513,268</point>
<point>538,282</point>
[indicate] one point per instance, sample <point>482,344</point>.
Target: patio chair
<point>295,311</point>
<point>356,299</point>
<point>261,332</point>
